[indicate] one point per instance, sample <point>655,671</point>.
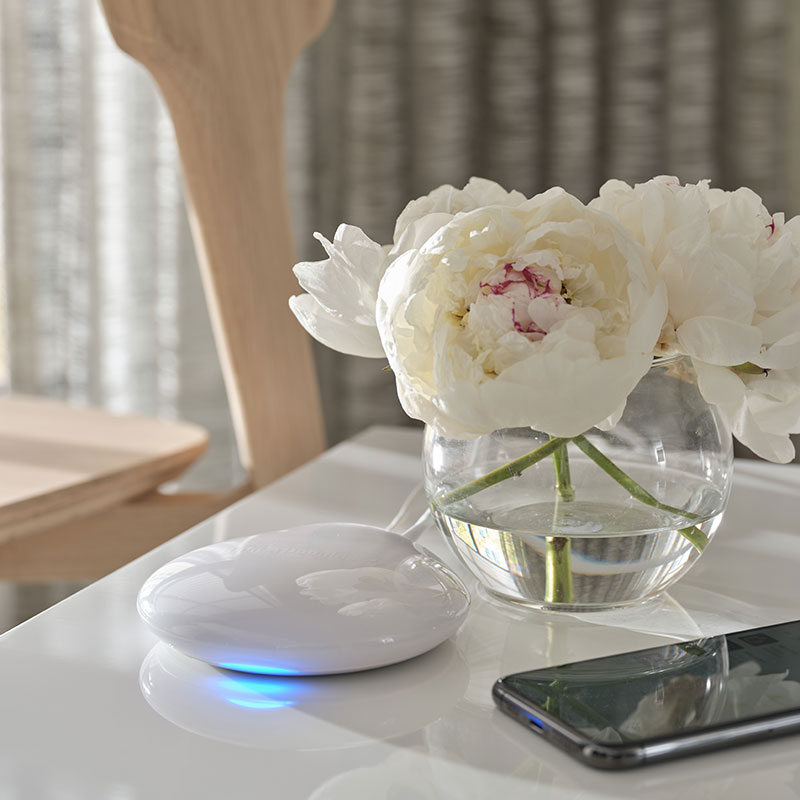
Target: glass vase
<point>610,518</point>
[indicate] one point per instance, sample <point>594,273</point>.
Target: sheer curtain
<point>102,300</point>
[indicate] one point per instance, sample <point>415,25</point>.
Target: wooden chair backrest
<point>222,67</point>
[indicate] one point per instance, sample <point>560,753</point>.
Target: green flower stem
<point>749,368</point>
<point>695,537</point>
<point>558,561</point>
<point>692,534</point>
<point>563,479</point>
<point>625,480</point>
<point>510,470</point>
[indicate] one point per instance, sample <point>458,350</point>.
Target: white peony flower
<point>538,313</point>
<point>732,273</point>
<point>339,309</point>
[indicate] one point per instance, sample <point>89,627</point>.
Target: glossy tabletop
<point>91,706</point>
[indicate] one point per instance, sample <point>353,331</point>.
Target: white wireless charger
<point>313,600</point>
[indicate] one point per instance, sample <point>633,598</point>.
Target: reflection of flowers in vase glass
<point>500,312</point>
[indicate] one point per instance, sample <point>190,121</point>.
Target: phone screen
<point>673,689</point>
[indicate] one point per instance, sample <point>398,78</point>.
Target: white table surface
<point>75,723</point>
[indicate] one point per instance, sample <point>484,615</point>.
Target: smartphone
<point>664,702</point>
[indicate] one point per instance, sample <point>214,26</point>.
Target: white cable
<point>413,532</point>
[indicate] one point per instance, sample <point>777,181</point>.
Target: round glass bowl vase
<point>594,544</point>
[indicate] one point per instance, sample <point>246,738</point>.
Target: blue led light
<point>259,670</point>
<point>254,691</point>
<point>259,704</point>
<point>256,685</point>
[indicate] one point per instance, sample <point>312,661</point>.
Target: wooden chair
<point>79,487</point>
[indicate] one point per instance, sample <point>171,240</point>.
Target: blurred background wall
<point>101,298</point>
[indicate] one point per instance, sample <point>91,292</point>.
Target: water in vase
<point>621,551</point>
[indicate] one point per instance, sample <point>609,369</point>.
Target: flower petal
<point>346,283</point>
<point>782,323</point>
<point>335,332</point>
<point>775,403</point>
<point>773,447</point>
<point>446,199</point>
<point>417,232</point>
<point>718,385</point>
<point>784,354</point>
<point>721,341</point>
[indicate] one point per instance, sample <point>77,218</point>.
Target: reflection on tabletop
<point>446,739</point>
<point>297,713</point>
